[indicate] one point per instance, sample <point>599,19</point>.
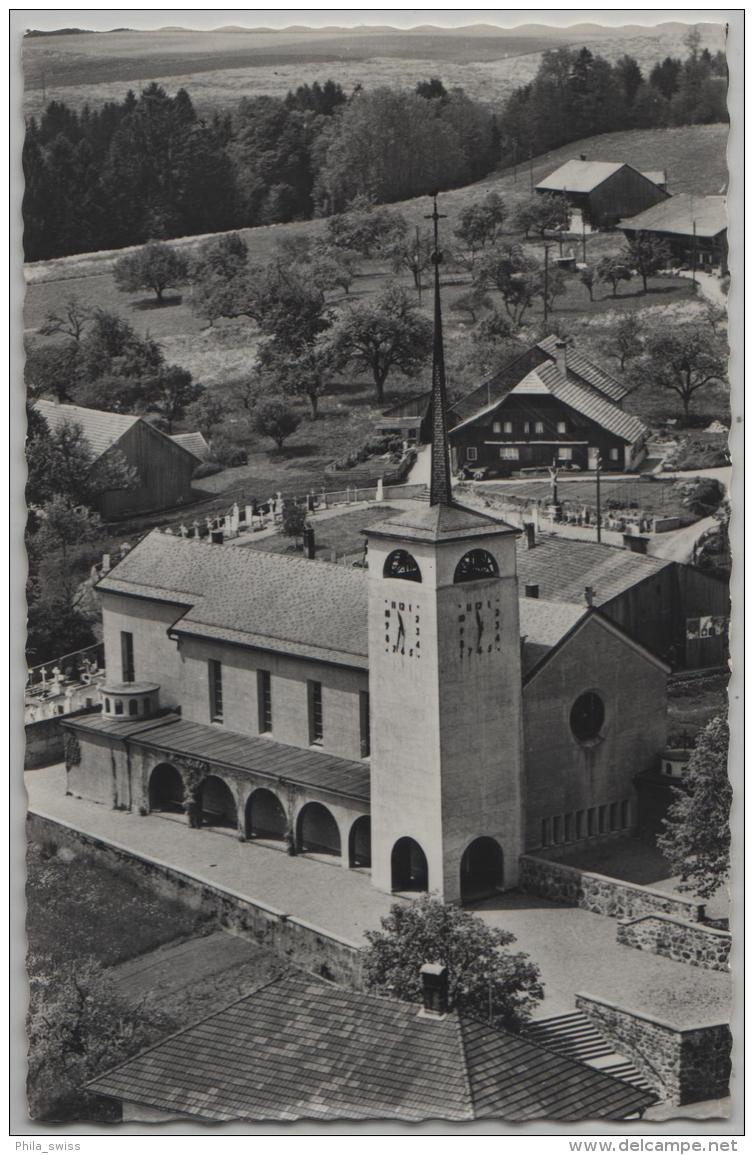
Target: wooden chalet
<point>604,191</point>
<point>694,228</point>
<point>164,466</point>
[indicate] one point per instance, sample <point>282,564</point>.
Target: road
<point>678,545</point>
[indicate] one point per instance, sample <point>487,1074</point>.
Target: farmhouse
<point>164,467</point>
<point>550,403</point>
<point>601,192</point>
<point>409,420</point>
<point>695,229</point>
<point>264,1056</point>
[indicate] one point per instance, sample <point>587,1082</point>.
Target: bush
<point>206,469</point>
<point>703,496</point>
<point>228,451</point>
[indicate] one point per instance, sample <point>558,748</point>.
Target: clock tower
<point>445,687</point>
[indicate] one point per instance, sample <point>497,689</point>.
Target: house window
<point>613,815</point>
<point>568,822</point>
<point>587,716</point>
<point>133,706</point>
<point>364,723</point>
<point>264,700</point>
<point>215,671</point>
<point>539,426</point>
<point>614,453</point>
<point>603,819</point>
<point>625,814</point>
<point>316,729</point>
<point>591,821</point>
<point>118,706</point>
<point>507,427</point>
<point>565,454</point>
<point>127,656</point>
<point>556,829</point>
<point>497,427</point>
<point>527,426</point>
<point>562,427</point>
<point>580,823</point>
<point>471,453</point>
<point>107,705</point>
<point>546,837</point>
<point>508,453</point>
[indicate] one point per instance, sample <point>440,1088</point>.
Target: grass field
<point>652,498</point>
<point>693,702</point>
<point>341,533</point>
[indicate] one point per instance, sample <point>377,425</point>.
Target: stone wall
<point>307,946</point>
<point>44,739</point>
<point>692,943</point>
<point>600,894</point>
<point>684,1065</point>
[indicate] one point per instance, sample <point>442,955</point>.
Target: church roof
<point>562,568</point>
<point>543,624</point>
<point>363,1057</point>
<point>435,523</point>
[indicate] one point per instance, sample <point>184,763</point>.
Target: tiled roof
<point>562,568</point>
<point>194,443</point>
<point>413,407</point>
<point>657,176</point>
<point>580,366</point>
<point>300,1048</point>
<point>590,404</point>
<point>542,625</point>
<point>579,175</point>
<point>101,429</point>
<point>678,213</point>
<point>303,766</point>
<point>440,523</point>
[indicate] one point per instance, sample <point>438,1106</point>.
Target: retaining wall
<point>683,1064</point>
<point>599,893</point>
<point>44,738</point>
<point>692,943</point>
<point>307,946</point>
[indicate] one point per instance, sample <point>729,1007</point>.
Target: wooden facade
<point>165,470</point>
<point>603,199</point>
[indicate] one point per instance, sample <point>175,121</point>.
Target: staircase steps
<point>574,1036</point>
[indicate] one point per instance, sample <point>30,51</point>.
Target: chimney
<point>531,590</point>
<point>434,990</point>
<point>530,530</point>
<point>589,595</point>
<point>582,156</point>
<point>105,564</point>
<point>561,359</point>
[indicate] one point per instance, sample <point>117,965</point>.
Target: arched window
<point>408,866</point>
<point>400,564</point>
<point>265,816</point>
<point>475,564</point>
<point>587,716</point>
<point>317,830</point>
<point>166,789</point>
<point>218,804</point>
<point>481,869</point>
<point>360,842</point>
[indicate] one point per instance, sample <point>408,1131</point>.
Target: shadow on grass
<point>149,304</point>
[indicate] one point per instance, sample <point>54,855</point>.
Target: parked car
<point>478,472</point>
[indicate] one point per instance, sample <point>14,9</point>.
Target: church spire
<point>440,490</point>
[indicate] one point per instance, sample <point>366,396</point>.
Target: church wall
<point>98,770</point>
<point>290,701</point>
<point>155,654</point>
<point>566,777</point>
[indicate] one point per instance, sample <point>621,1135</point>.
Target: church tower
<point>445,686</point>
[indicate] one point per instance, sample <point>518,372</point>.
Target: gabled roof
<point>417,406</point>
<point>679,213</point>
<point>300,1048</point>
<point>543,624</point>
<point>440,522</point>
<point>100,428</point>
<point>580,366</point>
<point>562,568</point>
<point>194,443</point>
<point>583,176</point>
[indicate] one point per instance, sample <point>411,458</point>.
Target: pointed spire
<point>440,489</point>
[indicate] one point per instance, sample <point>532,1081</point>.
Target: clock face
<point>478,627</point>
<point>402,628</point>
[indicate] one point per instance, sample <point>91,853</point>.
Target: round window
<point>587,716</point>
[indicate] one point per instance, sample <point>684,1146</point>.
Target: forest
<point>150,168</point>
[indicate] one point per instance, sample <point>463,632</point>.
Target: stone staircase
<point>574,1035</point>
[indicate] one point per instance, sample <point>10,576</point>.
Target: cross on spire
<point>440,489</point>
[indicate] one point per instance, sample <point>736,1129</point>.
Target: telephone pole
<point>599,503</point>
<point>547,272</point>
<point>531,172</point>
<point>417,258</point>
<point>693,255</point>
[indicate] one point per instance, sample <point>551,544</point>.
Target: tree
<point>112,346</point>
<point>273,418</point>
<point>223,257</point>
<point>629,77</point>
<point>696,840</point>
<point>78,1025</point>
<point>365,228</point>
<point>304,371</point>
<point>432,89</point>
<point>485,980</point>
<point>472,302</point>
<point>67,321</point>
<point>174,391</point>
<point>493,342</point>
<point>516,276</point>
<point>156,266</point>
<point>294,519</point>
<point>412,254</point>
<point>684,359</point>
<point>613,270</point>
<point>62,463</point>
<point>382,335</point>
<point>52,370</point>
<point>480,225</point>
<point>541,213</point>
<point>647,254</point>
<point>586,276</point>
<point>625,340</point>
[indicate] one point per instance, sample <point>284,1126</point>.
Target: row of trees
<point>576,94</point>
<point>149,167</point>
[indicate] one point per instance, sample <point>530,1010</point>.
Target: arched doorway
<point>481,869</point>
<point>408,866</point>
<point>317,830</point>
<point>265,816</point>
<point>360,842</point>
<point>166,792</point>
<point>218,806</point>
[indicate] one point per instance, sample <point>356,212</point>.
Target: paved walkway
<point>574,949</point>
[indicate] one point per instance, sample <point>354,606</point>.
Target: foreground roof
<point>101,428</point>
<point>562,568</point>
<point>300,1048</point>
<point>678,215</point>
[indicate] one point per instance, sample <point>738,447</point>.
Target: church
<point>419,720</point>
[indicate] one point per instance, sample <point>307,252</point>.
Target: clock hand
<point>479,630</point>
<point>401,634</point>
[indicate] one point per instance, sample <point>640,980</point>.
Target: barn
<point>551,402</point>
<point>409,420</point>
<point>694,228</point>
<point>601,192</point>
<point>164,467</point>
